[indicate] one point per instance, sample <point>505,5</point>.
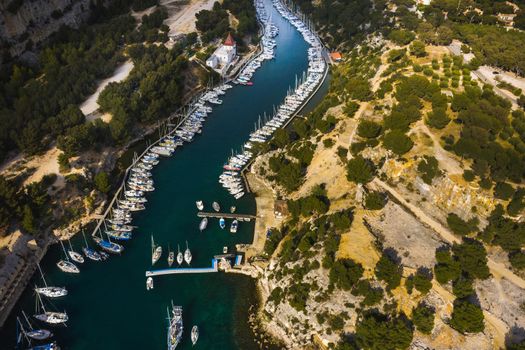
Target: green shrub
<point>467,317</point>
<point>397,142</point>
<point>423,318</point>
<point>375,200</point>
<point>368,129</point>
<point>360,170</point>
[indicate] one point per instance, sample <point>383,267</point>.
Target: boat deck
<point>240,217</point>
<point>178,270</point>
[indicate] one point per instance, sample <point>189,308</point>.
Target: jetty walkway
<point>178,270</point>
<point>240,217</point>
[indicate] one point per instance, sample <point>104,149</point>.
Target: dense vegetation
<point>39,104</point>
<point>152,90</point>
<point>215,23</point>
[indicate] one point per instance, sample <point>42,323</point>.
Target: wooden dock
<point>178,270</point>
<point>240,217</point>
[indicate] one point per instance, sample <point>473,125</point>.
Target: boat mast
<point>41,274</point>
<point>64,249</point>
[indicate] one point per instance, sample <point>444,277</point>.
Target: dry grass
<point>358,245</point>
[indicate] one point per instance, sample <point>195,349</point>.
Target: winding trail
<point>497,269</point>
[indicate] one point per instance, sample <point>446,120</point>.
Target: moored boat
<point>222,223</point>
<point>156,252</point>
<point>67,266</point>
<point>75,256</point>
<point>108,246</point>
<point>89,252</point>
<point>149,283</point>
<point>49,316</point>
<point>171,256</point>
<point>194,334</point>
<point>216,206</point>
<point>180,256</point>
<point>203,224</point>
<point>200,205</point>
<point>187,254</point>
<point>49,291</point>
<point>175,326</point>
<point>234,226</point>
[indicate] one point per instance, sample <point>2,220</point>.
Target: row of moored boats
<point>230,177</point>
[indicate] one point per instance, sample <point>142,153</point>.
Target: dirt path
<point>497,269</point>
<point>446,162</point>
<point>90,105</point>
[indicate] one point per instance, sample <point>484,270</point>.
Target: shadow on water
<point>108,305</point>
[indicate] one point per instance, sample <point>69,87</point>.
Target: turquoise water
<point>108,305</point>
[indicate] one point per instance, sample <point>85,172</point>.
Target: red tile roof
<point>336,56</point>
<point>229,40</point>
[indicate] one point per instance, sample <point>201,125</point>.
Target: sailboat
<point>222,223</point>
<point>36,334</point>
<point>149,283</point>
<point>199,204</point>
<point>175,326</point>
<point>194,334</point>
<point>187,254</point>
<point>50,292</point>
<point>108,246</point>
<point>180,257</point>
<point>49,316</point>
<point>89,252</point>
<point>234,226</point>
<point>156,252</point>
<point>216,206</point>
<point>66,265</point>
<point>171,256</point>
<point>77,257</point>
<point>203,224</point>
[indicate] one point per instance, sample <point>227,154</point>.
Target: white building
<point>223,56</point>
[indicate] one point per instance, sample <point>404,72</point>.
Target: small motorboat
<point>194,334</point>
<point>203,224</point>
<point>233,209</point>
<point>187,254</point>
<point>200,205</point>
<point>224,250</point>
<point>222,223</point>
<point>180,257</point>
<point>171,257</point>
<point>216,206</point>
<point>149,283</point>
<point>234,226</point>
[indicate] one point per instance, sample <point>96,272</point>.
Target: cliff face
<point>35,20</point>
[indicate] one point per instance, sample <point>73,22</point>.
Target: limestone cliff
<point>22,21</point>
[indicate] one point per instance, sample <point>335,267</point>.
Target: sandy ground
<point>90,105</point>
<point>45,164</point>
<point>181,18</point>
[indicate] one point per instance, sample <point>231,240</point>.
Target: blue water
<point>108,305</point>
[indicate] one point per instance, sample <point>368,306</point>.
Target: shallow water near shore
<point>108,305</point>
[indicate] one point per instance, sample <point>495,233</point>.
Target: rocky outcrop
<point>23,22</point>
